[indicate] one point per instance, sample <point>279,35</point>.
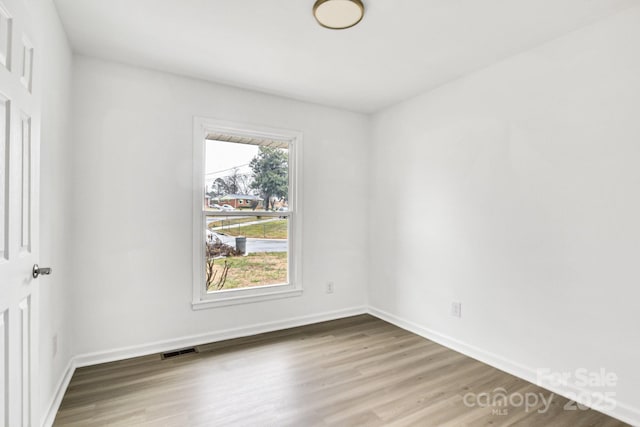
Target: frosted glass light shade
<point>338,14</point>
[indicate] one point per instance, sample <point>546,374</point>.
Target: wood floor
<point>359,371</point>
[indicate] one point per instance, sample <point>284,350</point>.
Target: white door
<point>19,175</point>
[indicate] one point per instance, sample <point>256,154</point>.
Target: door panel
<point>25,190</point>
<point>25,359</point>
<point>5,108</point>
<point>19,150</point>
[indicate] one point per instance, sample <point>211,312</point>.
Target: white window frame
<point>202,127</point>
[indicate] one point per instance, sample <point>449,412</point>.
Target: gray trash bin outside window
<point>241,244</point>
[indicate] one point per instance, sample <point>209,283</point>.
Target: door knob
<point>40,270</point>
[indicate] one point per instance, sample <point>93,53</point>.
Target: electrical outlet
<point>456,309</point>
<point>55,345</point>
<point>329,287</point>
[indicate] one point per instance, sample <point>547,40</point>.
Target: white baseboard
<point>61,388</point>
<point>193,340</point>
<point>624,412</point>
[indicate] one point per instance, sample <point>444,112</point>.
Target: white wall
<point>515,190</point>
<point>55,203</point>
<point>132,205</point>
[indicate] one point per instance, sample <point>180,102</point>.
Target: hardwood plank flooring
<point>358,371</point>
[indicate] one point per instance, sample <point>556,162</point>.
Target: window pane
<point>246,176</point>
<point>246,251</point>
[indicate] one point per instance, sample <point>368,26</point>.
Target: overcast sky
<point>222,157</point>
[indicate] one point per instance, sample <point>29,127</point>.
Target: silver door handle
<point>40,270</point>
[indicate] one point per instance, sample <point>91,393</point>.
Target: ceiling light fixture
<point>338,14</point>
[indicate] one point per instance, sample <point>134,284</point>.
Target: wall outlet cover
<point>456,309</point>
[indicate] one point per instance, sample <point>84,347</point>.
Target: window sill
<point>225,300</point>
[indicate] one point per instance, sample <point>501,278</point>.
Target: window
<point>246,243</point>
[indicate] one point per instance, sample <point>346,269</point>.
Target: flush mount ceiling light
<point>338,14</point>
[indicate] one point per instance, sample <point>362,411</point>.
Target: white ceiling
<point>401,47</point>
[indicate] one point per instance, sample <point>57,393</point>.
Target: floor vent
<point>176,353</point>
